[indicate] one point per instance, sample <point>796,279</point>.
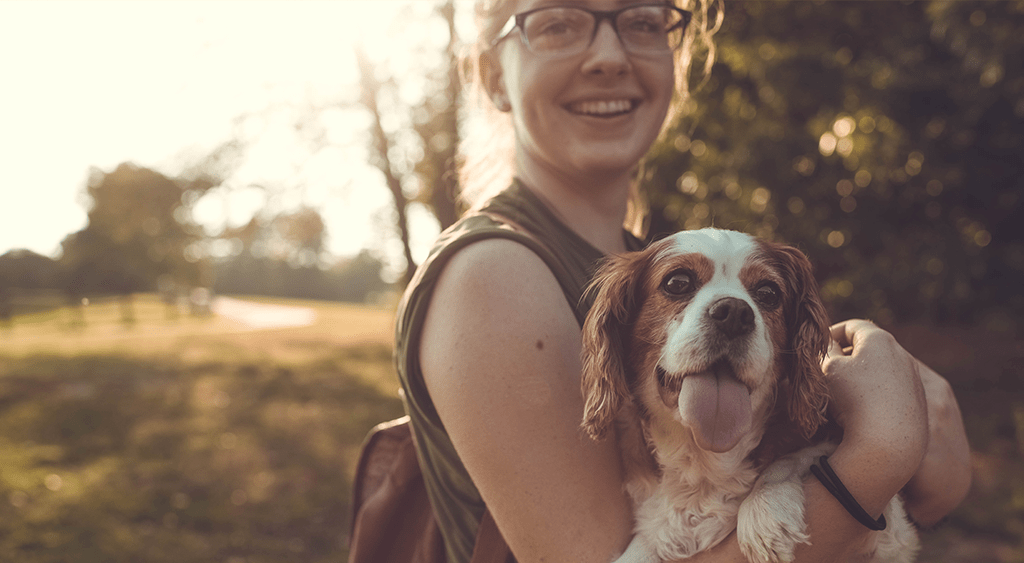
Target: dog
<point>693,347</point>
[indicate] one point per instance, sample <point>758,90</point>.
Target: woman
<point>489,330</point>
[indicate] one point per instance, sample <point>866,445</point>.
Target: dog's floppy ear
<point>605,332</point>
<point>808,336</point>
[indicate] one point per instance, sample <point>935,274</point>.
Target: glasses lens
<point>558,30</point>
<point>650,29</point>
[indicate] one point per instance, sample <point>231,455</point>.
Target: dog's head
<point>712,328</point>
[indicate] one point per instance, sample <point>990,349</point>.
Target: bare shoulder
<point>494,265</point>
<point>493,297</point>
<point>500,290</point>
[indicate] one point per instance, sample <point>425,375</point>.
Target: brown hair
<point>486,151</point>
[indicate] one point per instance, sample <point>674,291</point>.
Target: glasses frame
<point>517,21</point>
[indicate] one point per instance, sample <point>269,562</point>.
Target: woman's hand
<point>873,366</point>
<point>879,401</point>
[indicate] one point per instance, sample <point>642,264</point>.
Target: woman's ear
<point>492,80</point>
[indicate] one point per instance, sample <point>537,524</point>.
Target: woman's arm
<point>944,477</point>
<point>500,354</point>
<point>878,399</point>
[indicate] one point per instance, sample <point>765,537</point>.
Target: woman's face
<point>595,113</point>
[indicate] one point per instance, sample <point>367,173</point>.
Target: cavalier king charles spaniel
<point>693,348</point>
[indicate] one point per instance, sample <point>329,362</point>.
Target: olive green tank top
<point>456,501</point>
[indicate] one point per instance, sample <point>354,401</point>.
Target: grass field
<point>186,439</point>
<point>176,438</point>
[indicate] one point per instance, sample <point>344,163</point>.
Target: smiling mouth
<point>603,108</point>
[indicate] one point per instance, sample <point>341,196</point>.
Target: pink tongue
<point>716,408</point>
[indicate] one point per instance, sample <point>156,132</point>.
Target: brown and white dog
<point>693,347</point>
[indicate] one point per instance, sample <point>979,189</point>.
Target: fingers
<point>834,349</point>
<point>852,332</point>
<point>844,335</point>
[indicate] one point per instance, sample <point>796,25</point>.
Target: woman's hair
<point>487,148</point>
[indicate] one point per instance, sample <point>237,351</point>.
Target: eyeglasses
<point>564,31</point>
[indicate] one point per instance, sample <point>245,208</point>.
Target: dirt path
<point>261,315</point>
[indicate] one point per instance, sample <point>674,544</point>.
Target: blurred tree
<point>380,155</point>
<point>247,237</point>
<point>408,100</point>
<point>303,234</point>
<point>283,256</point>
<point>6,305</point>
<point>437,126</point>
<point>22,269</point>
<point>356,280</point>
<point>882,138</point>
<point>294,237</point>
<point>139,228</point>
<point>417,168</point>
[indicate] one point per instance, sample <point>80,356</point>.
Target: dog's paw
<point>899,541</point>
<point>770,522</point>
<point>640,550</point>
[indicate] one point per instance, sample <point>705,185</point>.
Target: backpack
<point>392,520</point>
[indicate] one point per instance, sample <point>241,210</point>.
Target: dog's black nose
<point>732,316</point>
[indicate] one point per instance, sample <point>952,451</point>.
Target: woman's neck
<point>594,208</point>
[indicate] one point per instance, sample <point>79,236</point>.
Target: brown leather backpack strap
<point>490,545</point>
<point>392,520</point>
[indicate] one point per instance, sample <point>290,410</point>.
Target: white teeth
<point>602,107</point>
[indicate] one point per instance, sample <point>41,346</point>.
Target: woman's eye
<point>644,25</point>
<point>556,28</point>
<point>768,295</point>
<point>678,283</point>
<point>554,21</point>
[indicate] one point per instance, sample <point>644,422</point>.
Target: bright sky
<point>99,83</point>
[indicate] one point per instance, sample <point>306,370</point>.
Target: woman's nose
<point>606,54</point>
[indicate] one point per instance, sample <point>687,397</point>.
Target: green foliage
<point>28,270</point>
<point>304,233</point>
<point>106,459</point>
<point>22,270</point>
<point>356,280</point>
<point>882,138</point>
<point>140,228</point>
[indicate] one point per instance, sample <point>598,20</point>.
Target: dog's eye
<point>768,295</point>
<point>678,283</point>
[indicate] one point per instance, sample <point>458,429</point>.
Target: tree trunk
<point>446,186</point>
<point>379,156</point>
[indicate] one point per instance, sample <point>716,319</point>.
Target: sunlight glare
<point>103,82</point>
